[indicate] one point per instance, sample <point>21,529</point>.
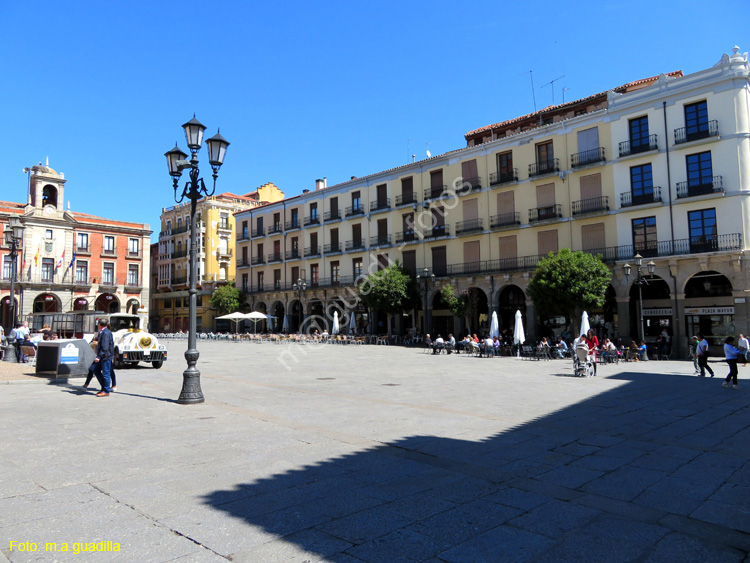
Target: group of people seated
<point>488,346</point>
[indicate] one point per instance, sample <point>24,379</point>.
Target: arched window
<point>49,195</point>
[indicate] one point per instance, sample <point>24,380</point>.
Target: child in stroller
<point>583,361</point>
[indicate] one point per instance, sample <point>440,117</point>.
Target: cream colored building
<point>605,174</point>
<point>216,231</point>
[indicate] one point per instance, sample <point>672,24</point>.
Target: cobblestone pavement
<point>379,454</point>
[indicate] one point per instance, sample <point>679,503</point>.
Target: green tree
<point>568,282</point>
<point>226,299</point>
<point>391,291</point>
<point>463,305</point>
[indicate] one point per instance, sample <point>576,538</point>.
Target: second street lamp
<point>13,238</point>
<point>300,286</point>
<point>427,280</point>
<point>194,190</point>
<point>640,281</point>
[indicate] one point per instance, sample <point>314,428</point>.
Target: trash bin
<point>64,357</point>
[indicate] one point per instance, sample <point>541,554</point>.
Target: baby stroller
<point>583,362</point>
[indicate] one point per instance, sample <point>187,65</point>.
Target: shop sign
<point>665,312</point>
<point>709,310</point>
<point>69,354</point>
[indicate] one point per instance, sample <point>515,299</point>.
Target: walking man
<point>702,353</point>
<point>105,353</point>
<point>743,346</point>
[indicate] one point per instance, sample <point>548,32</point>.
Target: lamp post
<point>13,238</point>
<point>300,286</point>
<point>640,281</point>
<point>194,190</point>
<point>427,280</point>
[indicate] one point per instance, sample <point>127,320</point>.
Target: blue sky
<point>306,90</point>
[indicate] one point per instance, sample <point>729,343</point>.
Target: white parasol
<point>494,325</point>
<point>236,317</point>
<point>518,335</point>
<point>335,329</point>
<point>585,326</point>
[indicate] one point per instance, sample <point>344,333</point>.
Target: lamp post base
<point>191,381</point>
<point>10,353</point>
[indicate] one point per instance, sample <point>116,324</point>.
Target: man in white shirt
<point>743,346</point>
<point>438,345</point>
<point>702,353</point>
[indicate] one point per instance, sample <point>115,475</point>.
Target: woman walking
<point>732,355</point>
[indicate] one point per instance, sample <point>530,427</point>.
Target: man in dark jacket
<point>105,353</point>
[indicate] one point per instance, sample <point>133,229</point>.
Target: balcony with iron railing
<point>108,285</point>
<point>545,213</point>
<point>542,167</point>
<point>380,240</point>
<point>179,254</point>
<point>224,254</point>
<point>584,158</point>
<point>471,225</point>
<point>380,205</point>
<point>355,245</point>
<point>332,215</point>
<point>505,220</point>
<point>406,236</point>
<point>133,253</point>
<point>696,132</point>
<point>630,199</point>
<point>434,192</point>
<point>179,229</point>
<point>274,229</point>
<point>591,205</point>
<point>332,248</point>
<point>274,257</point>
<point>257,260</point>
<point>505,177</point>
<point>437,232</point>
<point>293,254</point>
<point>109,252</point>
<point>312,220</point>
<point>293,224</point>
<point>638,145</point>
<point>406,199</point>
<point>312,251</point>
<point>243,262</point>
<point>353,210</point>
<point>471,184</point>
<point>700,186</point>
<point>132,286</point>
<point>83,250</point>
<point>223,226</point>
<point>243,235</point>
<point>259,232</point>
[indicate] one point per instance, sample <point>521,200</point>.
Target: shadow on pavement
<point>655,469</point>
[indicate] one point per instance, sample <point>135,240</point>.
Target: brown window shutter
<point>508,247</point>
<point>506,203</point>
<point>471,209</point>
<point>592,237</point>
<point>547,241</point>
<point>471,252</point>
<point>591,186</point>
<point>545,195</point>
<point>469,169</point>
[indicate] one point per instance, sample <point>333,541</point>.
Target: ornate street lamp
<point>13,238</point>
<point>427,280</point>
<point>194,190</point>
<point>640,281</point>
<point>300,286</point>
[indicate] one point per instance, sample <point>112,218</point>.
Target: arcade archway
<point>47,303</point>
<point>108,303</point>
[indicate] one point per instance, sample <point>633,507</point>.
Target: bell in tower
<point>46,190</point>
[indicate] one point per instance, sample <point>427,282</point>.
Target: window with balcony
<point>407,191</point>
<point>261,278</point>
<point>700,175</point>
<point>259,225</point>
<point>407,226</point>
<point>703,230</point>
<point>335,271</point>
<point>244,229</point>
<point>641,184</point>
<point>357,267</point>
<point>696,120</point>
<point>109,245</point>
<point>134,247</point>
<point>383,262</point>
<point>639,137</point>
<point>108,273</point>
<point>314,211</point>
<point>294,223</point>
<point>644,236</point>
<point>356,201</point>
<point>505,171</point>
<point>133,277</point>
<point>245,286</point>
<point>82,242</point>
<point>82,271</point>
<point>314,274</point>
<point>48,269</point>
<point>547,242</point>
<point>277,279</point>
<point>545,160</point>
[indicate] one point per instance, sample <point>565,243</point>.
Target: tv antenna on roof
<point>552,83</point>
<point>533,94</point>
<point>563,93</point>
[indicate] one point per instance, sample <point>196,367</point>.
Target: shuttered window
<point>588,139</point>
<point>471,252</point>
<point>591,186</point>
<point>506,203</point>
<point>409,260</point>
<point>508,247</point>
<point>547,242</point>
<point>471,209</point>
<point>592,237</point>
<point>439,264</point>
<point>469,169</point>
<point>436,179</point>
<point>545,195</point>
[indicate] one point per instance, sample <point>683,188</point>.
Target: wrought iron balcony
<point>332,248</point>
<point>590,156</point>
<point>497,178</point>
<point>179,254</point>
<point>505,220</point>
<point>638,145</point>
<point>355,245</point>
<point>332,215</point>
<point>695,132</point>
<point>380,240</point>
<point>312,251</point>
<point>293,224</point>
<point>259,232</point>
<point>700,186</point>
<point>180,229</point>
<point>243,262</point>
<point>438,231</point>
<point>406,236</point>
<point>591,205</point>
<point>274,257</point>
<point>85,249</point>
<point>545,213</point>
<point>133,285</point>
<point>380,205</point>
<point>274,229</point>
<point>224,226</point>
<point>293,254</point>
<point>354,210</point>
<point>407,198</point>
<point>243,235</point>
<point>469,226</point>
<point>179,280</point>
<point>312,220</point>
<point>109,252</point>
<point>434,192</point>
<point>471,183</point>
<point>133,253</point>
<point>255,260</point>
<point>550,166</point>
<point>629,199</point>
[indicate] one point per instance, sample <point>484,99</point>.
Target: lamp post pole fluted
<point>194,190</point>
<point>299,286</point>
<point>13,236</point>
<point>427,280</point>
<point>640,280</point>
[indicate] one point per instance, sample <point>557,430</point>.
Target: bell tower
<point>46,191</point>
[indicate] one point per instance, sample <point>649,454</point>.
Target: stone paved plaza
<point>379,454</point>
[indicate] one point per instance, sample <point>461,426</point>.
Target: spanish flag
<point>36,257</point>
<point>60,261</point>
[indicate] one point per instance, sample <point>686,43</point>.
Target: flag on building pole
<point>72,261</point>
<point>36,256</point>
<point>60,261</point>
<point>23,262</point>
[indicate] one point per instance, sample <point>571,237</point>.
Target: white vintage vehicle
<point>133,344</point>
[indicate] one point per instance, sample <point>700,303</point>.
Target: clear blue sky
<point>304,90</point>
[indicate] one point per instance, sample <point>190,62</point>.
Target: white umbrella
<point>256,316</point>
<point>585,326</point>
<point>285,324</point>
<point>236,317</point>
<point>335,329</point>
<point>494,325</point>
<point>352,323</point>
<point>518,335</point>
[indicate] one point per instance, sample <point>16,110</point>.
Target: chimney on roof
<point>320,184</point>
<point>353,178</point>
<point>305,192</point>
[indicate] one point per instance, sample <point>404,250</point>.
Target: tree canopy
<point>226,299</point>
<point>567,282</point>
<point>391,290</point>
